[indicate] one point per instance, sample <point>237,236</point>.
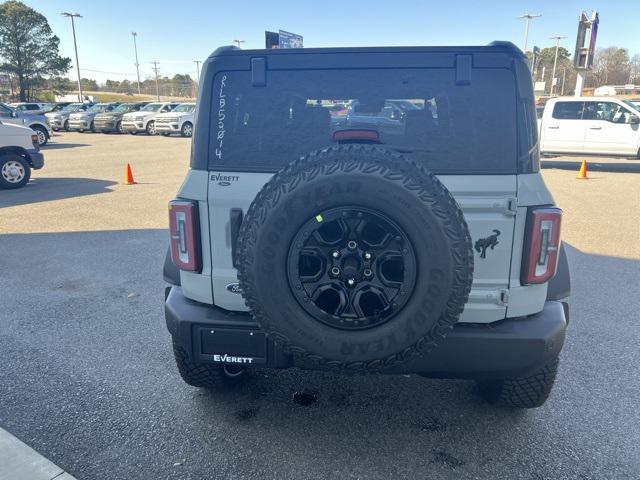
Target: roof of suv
<point>496,46</point>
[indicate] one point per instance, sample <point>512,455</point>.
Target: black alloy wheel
<point>351,268</point>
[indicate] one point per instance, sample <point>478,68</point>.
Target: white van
<point>19,154</point>
<point>592,125</point>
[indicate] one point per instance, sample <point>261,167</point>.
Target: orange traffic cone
<point>128,176</point>
<point>582,173</point>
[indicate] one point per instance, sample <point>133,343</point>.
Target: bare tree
<point>611,66</point>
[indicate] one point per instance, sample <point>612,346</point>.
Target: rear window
<point>421,112</point>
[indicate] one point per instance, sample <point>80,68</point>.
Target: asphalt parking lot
<point>88,378</point>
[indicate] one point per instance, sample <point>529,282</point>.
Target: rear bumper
<point>512,347</point>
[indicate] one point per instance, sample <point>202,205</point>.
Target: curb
<point>18,461</point>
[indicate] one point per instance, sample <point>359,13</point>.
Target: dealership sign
<point>282,39</point>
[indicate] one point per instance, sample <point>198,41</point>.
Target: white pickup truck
<point>590,125</point>
<point>19,153</point>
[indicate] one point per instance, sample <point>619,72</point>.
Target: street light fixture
<point>527,18</point>
<point>75,46</point>
<point>135,47</point>
<point>238,42</point>
<point>557,38</point>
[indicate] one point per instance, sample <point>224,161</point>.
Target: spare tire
<point>354,257</point>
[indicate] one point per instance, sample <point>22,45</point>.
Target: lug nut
<point>351,282</point>
<point>336,254</point>
<point>351,245</point>
<point>335,271</point>
<point>367,256</point>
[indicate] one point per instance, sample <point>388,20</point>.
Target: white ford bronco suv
<point>415,240</point>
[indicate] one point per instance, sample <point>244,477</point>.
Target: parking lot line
<point>18,461</point>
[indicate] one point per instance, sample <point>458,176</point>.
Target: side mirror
<point>634,120</point>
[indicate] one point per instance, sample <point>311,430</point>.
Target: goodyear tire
<point>521,392</point>
<point>356,258</point>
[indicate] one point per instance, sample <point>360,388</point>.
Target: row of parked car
<point>152,118</point>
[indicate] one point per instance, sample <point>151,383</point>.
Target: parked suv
<point>144,120</point>
<point>59,119</point>
<point>37,123</point>
<point>19,154</point>
<point>84,120</point>
<point>591,125</point>
<point>179,120</point>
<point>33,108</point>
<point>112,121</point>
<point>431,248</point>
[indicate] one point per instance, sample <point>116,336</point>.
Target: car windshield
<point>635,104</point>
<point>98,107</point>
<point>184,107</point>
<point>125,107</point>
<point>74,107</point>
<point>152,107</point>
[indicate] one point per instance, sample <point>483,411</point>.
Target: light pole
<point>557,38</point>
<point>238,42</point>
<point>155,69</point>
<point>75,45</point>
<point>197,62</point>
<point>135,47</point>
<point>527,18</point>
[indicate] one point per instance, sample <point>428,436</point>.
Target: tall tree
<point>28,47</point>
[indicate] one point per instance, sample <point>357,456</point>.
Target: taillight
<point>183,228</point>
<point>542,244</point>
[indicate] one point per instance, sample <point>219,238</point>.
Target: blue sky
<point>177,32</point>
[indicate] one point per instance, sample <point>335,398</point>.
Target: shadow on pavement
<point>58,146</point>
<point>629,166</point>
<point>47,189</point>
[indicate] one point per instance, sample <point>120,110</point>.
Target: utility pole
<point>557,38</point>
<point>155,69</point>
<point>238,42</point>
<point>75,46</point>
<point>135,47</point>
<point>527,18</point>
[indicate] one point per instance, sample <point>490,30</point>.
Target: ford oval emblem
<point>224,184</point>
<point>234,288</point>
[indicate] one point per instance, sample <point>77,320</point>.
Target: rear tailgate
<point>489,205</point>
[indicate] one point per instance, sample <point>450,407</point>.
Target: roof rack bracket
<point>464,64</point>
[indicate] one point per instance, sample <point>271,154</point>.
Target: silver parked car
<point>59,120</point>
<point>83,121</point>
<point>37,123</point>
